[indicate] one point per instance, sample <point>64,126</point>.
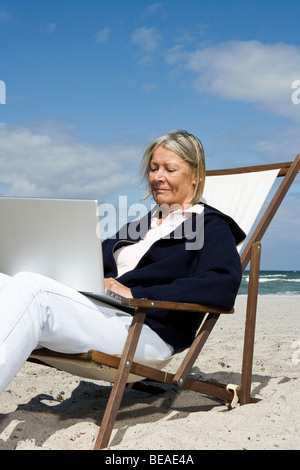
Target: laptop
<point>58,238</point>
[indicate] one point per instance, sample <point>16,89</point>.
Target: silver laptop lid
<point>54,237</point>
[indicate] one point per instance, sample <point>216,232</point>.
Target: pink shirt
<point>127,257</point>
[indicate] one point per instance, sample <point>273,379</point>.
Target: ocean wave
<point>271,279</point>
<point>274,283</point>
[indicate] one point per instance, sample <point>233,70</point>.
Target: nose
<point>160,175</point>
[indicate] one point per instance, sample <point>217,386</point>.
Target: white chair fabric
<point>241,196</point>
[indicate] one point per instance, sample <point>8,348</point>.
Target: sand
<point>44,409</point>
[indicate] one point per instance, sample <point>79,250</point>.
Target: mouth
<point>161,190</point>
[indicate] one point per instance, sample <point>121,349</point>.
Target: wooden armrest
<point>161,304</point>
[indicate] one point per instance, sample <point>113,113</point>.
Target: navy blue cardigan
<point>210,275</point>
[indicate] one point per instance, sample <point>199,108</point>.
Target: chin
<point>161,201</point>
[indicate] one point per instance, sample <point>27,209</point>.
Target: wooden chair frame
<point>208,317</point>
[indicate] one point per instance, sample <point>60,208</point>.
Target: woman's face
<point>171,179</point>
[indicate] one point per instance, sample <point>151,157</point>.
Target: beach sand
<point>46,409</point>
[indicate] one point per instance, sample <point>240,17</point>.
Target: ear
<point>195,178</point>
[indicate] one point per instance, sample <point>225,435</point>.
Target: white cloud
<point>153,9</point>
<point>47,28</point>
<point>37,164</point>
<point>246,71</point>
<point>50,28</point>
<point>279,146</point>
<point>177,56</point>
<point>102,35</point>
<point>4,16</point>
<point>147,39</point>
<point>149,87</point>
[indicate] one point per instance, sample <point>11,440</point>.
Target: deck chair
<point>241,193</point>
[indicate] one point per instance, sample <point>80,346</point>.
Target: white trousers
<point>36,311</point>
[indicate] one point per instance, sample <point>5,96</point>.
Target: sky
<point>86,85</point>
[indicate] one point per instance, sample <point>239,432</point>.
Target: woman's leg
<point>35,310</point>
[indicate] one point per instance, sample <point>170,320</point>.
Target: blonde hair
<point>186,146</point>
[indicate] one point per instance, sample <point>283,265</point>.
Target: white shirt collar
<point>174,217</point>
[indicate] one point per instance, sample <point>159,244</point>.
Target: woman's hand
<point>111,284</point>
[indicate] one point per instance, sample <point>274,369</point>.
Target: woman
<point>181,251</point>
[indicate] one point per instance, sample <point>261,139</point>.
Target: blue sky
<point>90,83</point>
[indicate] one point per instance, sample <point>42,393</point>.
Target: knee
<point>27,280</point>
<point>23,276</point>
<point>4,278</point>
<point>35,282</point>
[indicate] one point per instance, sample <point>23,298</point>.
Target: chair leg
<point>118,388</point>
<point>195,349</point>
<point>245,394</point>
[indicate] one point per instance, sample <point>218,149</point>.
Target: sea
<point>274,283</point>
